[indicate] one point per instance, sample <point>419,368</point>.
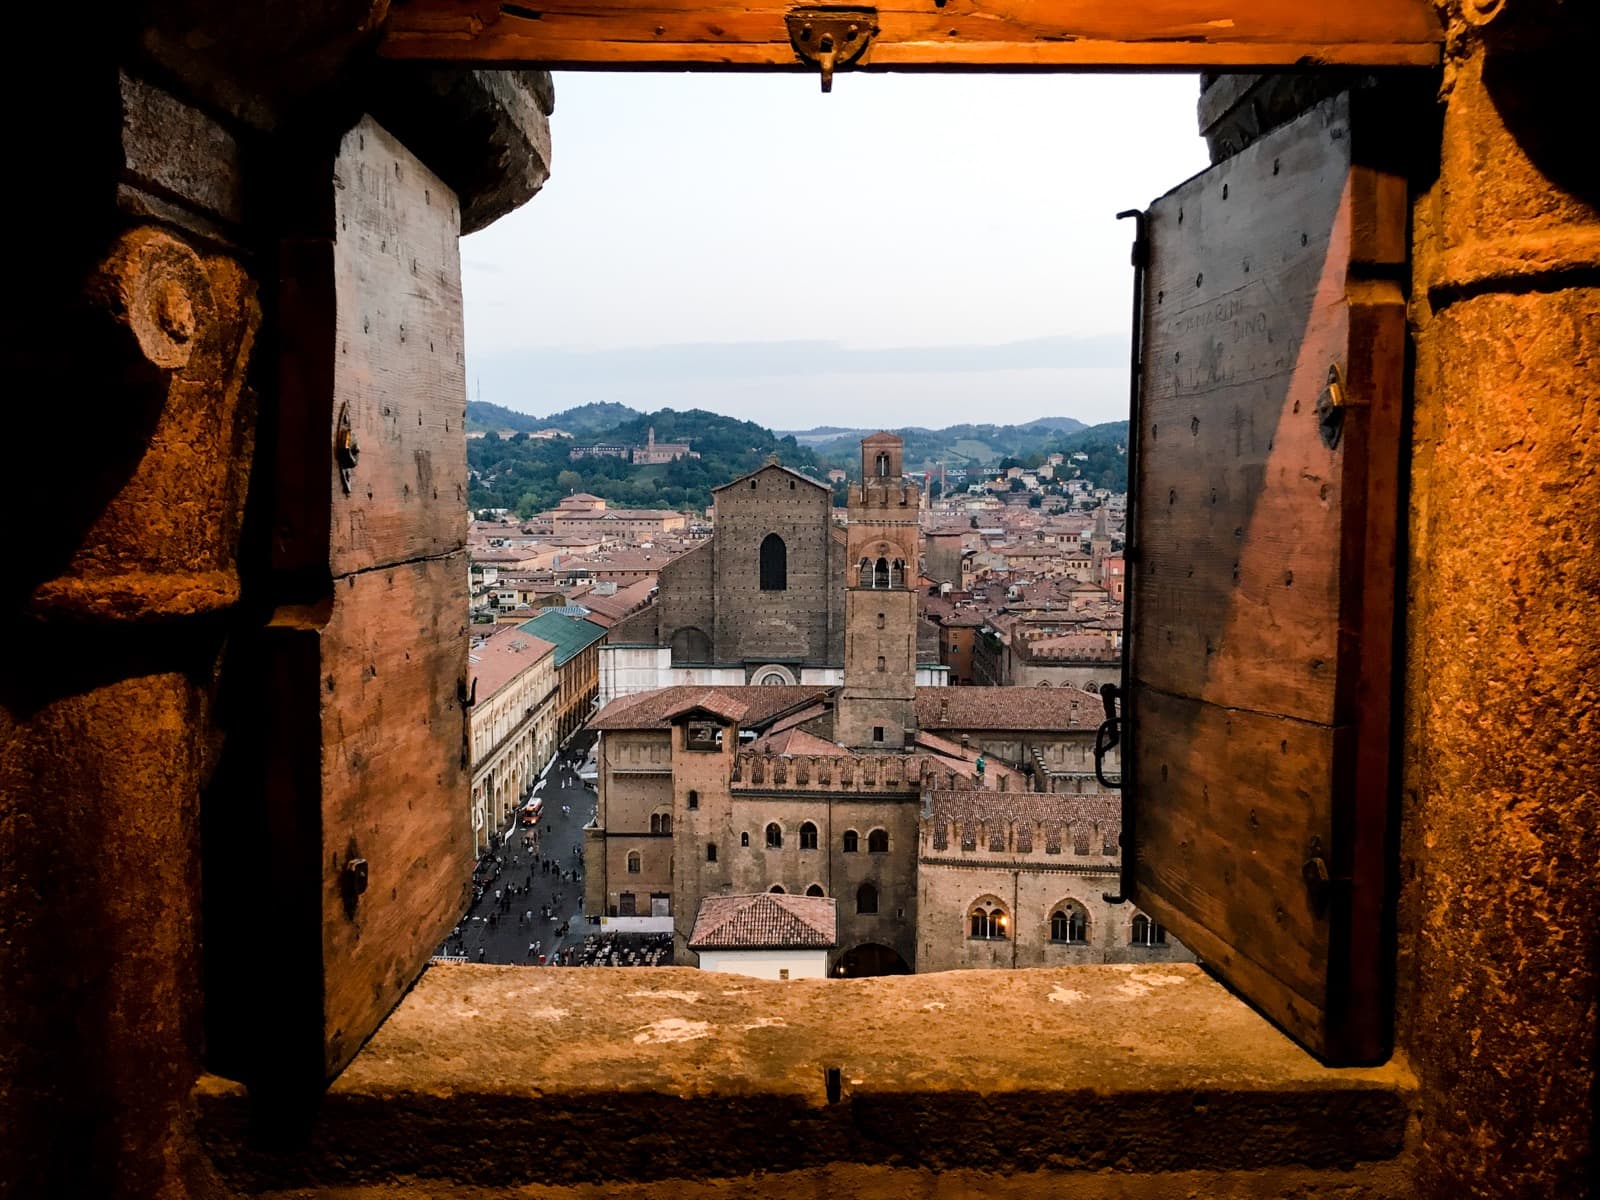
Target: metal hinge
<point>829,38</point>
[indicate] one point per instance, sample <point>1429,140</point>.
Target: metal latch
<point>828,38</point>
<point>1330,409</point>
<point>1108,736</point>
<point>345,449</point>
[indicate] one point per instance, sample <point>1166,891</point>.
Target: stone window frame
<point>873,839</point>
<point>808,830</point>
<point>635,863</point>
<point>1066,909</point>
<point>1147,932</point>
<point>851,842</point>
<point>989,914</point>
<point>711,852</point>
<point>774,835</point>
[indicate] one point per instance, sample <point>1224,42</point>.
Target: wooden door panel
<point>367,735</point>
<point>1262,573</point>
<point>1179,34</point>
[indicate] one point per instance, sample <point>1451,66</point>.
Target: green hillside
<point>528,475</point>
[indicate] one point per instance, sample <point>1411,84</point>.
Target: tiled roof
<point>797,741</point>
<point>505,655</point>
<point>652,710</point>
<point>1043,709</point>
<point>766,921</point>
<point>570,635</point>
<point>987,804</point>
<point>713,701</point>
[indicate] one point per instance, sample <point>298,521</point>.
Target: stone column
<point>105,734</point>
<point>1499,945</point>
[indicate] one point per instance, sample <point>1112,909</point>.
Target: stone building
<point>514,723</point>
<point>760,601</point>
<point>653,453</point>
<point>1022,879</point>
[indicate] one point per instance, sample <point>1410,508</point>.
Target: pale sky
<point>909,250</point>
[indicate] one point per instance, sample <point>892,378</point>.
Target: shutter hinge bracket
<point>828,38</point>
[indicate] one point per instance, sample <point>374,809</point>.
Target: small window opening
<point>774,837</point>
<point>877,733</point>
<point>633,862</point>
<point>711,852</point>
<point>808,836</point>
<point>744,839</point>
<point>852,841</point>
<point>815,890</point>
<point>882,662</point>
<point>778,888</point>
<point>1069,924</point>
<point>774,564</point>
<point>1147,933</point>
<point>866,900</point>
<point>878,841</point>
<point>694,800</point>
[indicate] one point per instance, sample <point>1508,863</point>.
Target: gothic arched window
<point>1069,923</point>
<point>1147,933</point>
<point>987,919</point>
<point>815,890</point>
<point>883,465</point>
<point>897,573</point>
<point>808,836</point>
<point>774,564</point>
<point>774,837</point>
<point>880,574</point>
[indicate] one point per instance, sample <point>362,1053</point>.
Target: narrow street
<point>531,901</point>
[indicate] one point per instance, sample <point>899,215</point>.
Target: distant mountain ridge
<point>584,419</point>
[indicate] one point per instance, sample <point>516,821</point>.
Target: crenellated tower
<point>879,701</point>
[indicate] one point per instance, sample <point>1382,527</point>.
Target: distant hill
<point>955,446</point>
<point>528,475</point>
<point>583,420</point>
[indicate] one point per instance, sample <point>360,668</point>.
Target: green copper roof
<point>570,635</point>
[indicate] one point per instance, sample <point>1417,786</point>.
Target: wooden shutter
<point>369,851</point>
<point>1262,551</point>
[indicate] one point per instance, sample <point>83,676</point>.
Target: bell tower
<point>879,701</point>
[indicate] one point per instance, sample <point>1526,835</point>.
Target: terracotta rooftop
<point>652,710</point>
<point>1041,709</point>
<point>766,921</point>
<point>796,741</point>
<point>505,655</point>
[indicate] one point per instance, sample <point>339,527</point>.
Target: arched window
<point>864,575</point>
<point>897,573</point>
<point>852,841</point>
<point>808,836</point>
<point>1069,923</point>
<point>744,839</point>
<point>815,890</point>
<point>774,837</point>
<point>774,564</point>
<point>880,574</point>
<point>878,841</point>
<point>777,887</point>
<point>866,899</point>
<point>883,465</point>
<point>694,799</point>
<point>880,620</point>
<point>987,920</point>
<point>633,862</point>
<point>666,822</point>
<point>1147,933</point>
<point>711,852</point>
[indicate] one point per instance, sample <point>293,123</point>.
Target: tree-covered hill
<point>583,420</point>
<point>955,446</point>
<point>529,475</point>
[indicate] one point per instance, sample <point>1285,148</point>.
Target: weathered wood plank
<point>1042,34</point>
<point>368,773</point>
<point>388,273</point>
<point>1263,585</point>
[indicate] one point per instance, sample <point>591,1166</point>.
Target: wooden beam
<point>1178,35</point>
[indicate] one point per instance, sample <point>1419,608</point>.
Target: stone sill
<point>498,1077</point>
